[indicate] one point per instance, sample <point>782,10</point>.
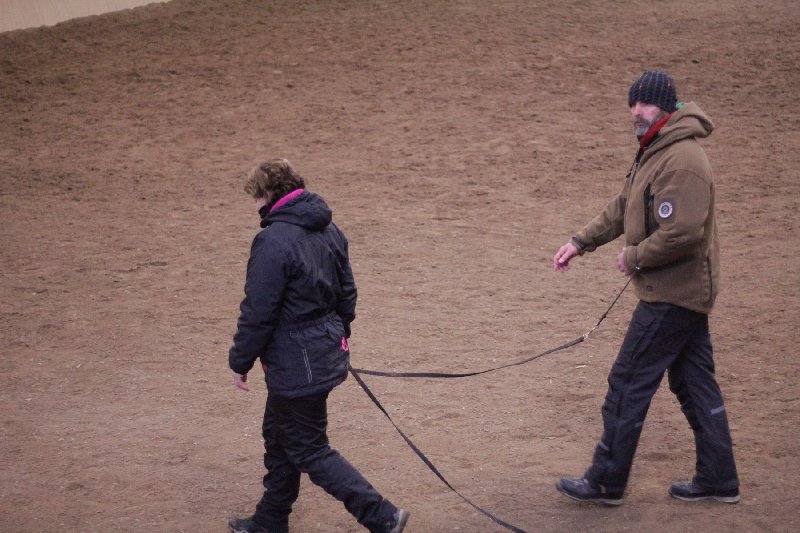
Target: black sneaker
<point>400,520</point>
<point>689,492</point>
<point>248,525</point>
<point>581,489</point>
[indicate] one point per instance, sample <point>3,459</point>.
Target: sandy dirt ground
<point>460,143</point>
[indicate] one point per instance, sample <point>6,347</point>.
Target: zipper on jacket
<point>635,165</point>
<point>308,365</point>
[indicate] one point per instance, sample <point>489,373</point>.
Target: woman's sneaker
<point>583,490</point>
<point>689,492</point>
<point>249,525</point>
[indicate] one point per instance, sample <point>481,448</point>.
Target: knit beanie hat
<point>656,88</point>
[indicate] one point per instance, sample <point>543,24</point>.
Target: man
<point>666,212</point>
<point>300,299</point>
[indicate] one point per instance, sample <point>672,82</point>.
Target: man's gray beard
<point>641,131</point>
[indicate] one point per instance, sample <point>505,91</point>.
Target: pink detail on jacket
<point>291,196</point>
<point>344,345</point>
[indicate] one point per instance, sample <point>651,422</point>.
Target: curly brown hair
<point>273,179</point>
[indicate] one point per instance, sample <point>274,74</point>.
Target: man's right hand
<point>563,255</point>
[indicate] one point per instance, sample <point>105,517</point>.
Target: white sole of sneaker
<point>723,499</point>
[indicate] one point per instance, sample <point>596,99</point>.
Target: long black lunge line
<point>356,371</point>
<point>517,363</point>
<point>427,461</point>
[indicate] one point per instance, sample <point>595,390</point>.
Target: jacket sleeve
<point>606,226</point>
<point>681,204</point>
<point>346,305</point>
<point>260,310</point>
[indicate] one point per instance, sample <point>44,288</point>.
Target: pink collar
<point>291,196</point>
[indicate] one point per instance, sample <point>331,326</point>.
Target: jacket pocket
<point>308,357</point>
<point>309,374</point>
<point>289,364</point>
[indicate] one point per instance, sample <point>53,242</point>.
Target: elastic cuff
<point>579,244</point>
<point>631,259</point>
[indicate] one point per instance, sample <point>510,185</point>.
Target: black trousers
<point>663,337</point>
<point>296,441</point>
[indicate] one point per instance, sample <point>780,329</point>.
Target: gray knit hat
<point>656,88</point>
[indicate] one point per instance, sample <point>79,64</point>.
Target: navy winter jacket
<point>300,297</point>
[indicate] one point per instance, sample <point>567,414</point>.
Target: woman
<point>300,299</point>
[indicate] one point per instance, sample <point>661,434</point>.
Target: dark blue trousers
<point>663,337</point>
<point>296,441</point>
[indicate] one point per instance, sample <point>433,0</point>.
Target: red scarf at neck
<point>653,131</point>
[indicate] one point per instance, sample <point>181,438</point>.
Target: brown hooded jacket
<point>666,212</point>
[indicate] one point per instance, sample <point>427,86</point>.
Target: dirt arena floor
<point>460,143</point>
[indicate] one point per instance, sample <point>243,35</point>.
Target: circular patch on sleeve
<point>665,210</point>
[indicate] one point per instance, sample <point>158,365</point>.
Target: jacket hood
<point>308,210</point>
<point>688,121</point>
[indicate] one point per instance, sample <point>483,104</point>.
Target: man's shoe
<point>689,492</point>
<point>581,489</point>
<point>248,525</point>
<point>400,520</point>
